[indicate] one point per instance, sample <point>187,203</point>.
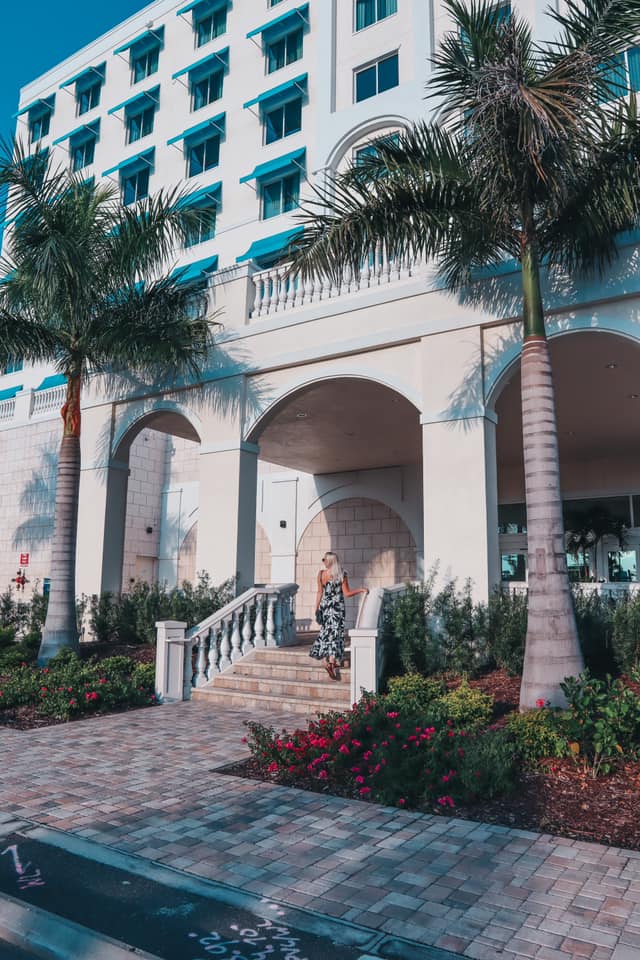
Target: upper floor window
<point>13,365</point>
<point>140,123</point>
<point>376,78</point>
<point>370,11</point>
<point>144,53</point>
<point>209,22</point>
<point>82,148</point>
<point>40,119</point>
<point>202,153</point>
<point>134,176</point>
<point>283,120</point>
<point>206,89</point>
<point>88,98</point>
<point>284,50</point>
<point>620,75</point>
<point>204,227</point>
<point>280,196</point>
<point>145,64</point>
<point>274,3</point>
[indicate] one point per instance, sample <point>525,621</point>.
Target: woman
<point>333,587</point>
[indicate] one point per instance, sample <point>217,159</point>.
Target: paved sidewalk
<point>143,782</point>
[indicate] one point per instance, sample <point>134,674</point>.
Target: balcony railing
<point>44,401</point>
<point>275,290</point>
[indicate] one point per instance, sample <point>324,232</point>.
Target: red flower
<point>540,703</point>
<point>273,766</point>
<point>344,748</point>
<point>364,791</point>
<point>360,779</point>
<point>323,775</point>
<point>401,801</point>
<point>72,703</point>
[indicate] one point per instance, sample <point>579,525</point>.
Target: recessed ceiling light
<point>301,415</point>
<point>634,396</point>
<point>612,366</point>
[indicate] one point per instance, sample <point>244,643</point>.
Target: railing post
<point>236,639</point>
<point>173,661</point>
<point>278,620</point>
<point>225,646</point>
<point>247,643</point>
<point>212,660</point>
<point>201,663</point>
<point>259,624</point>
<point>271,623</point>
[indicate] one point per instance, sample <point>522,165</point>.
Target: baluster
<point>213,653</point>
<point>247,642</point>
<point>346,279</point>
<point>275,291</point>
<point>377,261</point>
<point>257,296</point>
<point>267,294</point>
<point>365,271</point>
<point>386,266</point>
<point>258,627</point>
<point>271,623</point>
<point>308,289</point>
<point>278,621</point>
<point>236,638</point>
<point>225,646</point>
<point>201,664</point>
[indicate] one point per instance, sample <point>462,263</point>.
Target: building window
<point>376,78</point>
<point>283,120</point>
<point>145,62</point>
<point>208,26</point>
<point>206,89</point>
<point>135,185</point>
<point>204,227</point>
<point>274,3</point>
<point>202,154</point>
<point>88,97</point>
<point>82,151</point>
<point>13,365</point>
<point>620,74</point>
<point>39,125</point>
<point>370,11</point>
<point>284,50</point>
<point>140,123</point>
<point>371,149</point>
<point>513,567</point>
<point>280,196</point>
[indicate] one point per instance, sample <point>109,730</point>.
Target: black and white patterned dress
<point>330,642</point>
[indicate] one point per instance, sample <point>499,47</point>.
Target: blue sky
<point>39,34</point>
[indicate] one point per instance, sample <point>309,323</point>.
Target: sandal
<point>330,670</point>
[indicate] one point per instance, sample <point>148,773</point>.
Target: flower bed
<point>69,688</point>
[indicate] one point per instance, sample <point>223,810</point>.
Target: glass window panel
<point>579,568</point>
<point>292,116</point>
<point>135,186</point>
<point>616,507</point>
<point>40,126</point>
<point>387,8</point>
<point>512,518</point>
<point>13,365</point>
<point>203,155</point>
<point>271,199</point>
<point>146,63</point>
<point>614,73</point>
<point>514,567</point>
<point>207,89</point>
<point>388,73</point>
<point>88,98</point>
<point>294,45</point>
<point>212,26</point>
<point>205,227</point>
<point>273,124</point>
<point>283,121</point>
<point>140,124</point>
<point>290,192</point>
<point>636,511</point>
<point>82,153</point>
<point>622,565</point>
<point>633,56</point>
<point>275,55</point>
<point>366,83</point>
<point>365,13</point>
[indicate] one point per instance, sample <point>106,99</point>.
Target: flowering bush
<point>537,735</point>
<point>466,707</point>
<point>602,723</point>
<point>67,687</point>
<point>383,754</point>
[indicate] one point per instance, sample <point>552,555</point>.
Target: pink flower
<point>360,779</point>
<point>393,714</point>
<point>356,743</point>
<point>401,801</point>
<point>540,703</point>
<point>364,791</point>
<point>446,801</point>
<point>273,766</point>
<point>72,703</point>
<point>344,748</point>
<point>323,775</point>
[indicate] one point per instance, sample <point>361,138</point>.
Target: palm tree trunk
<point>552,649</point>
<point>61,626</point>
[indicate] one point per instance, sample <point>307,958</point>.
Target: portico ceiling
<point>597,387</point>
<point>342,425</point>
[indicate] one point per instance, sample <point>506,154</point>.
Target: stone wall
<point>374,545</point>
<point>147,459</point>
<point>263,556</point>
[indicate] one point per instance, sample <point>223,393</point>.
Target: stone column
<point>101,522</point>
<point>459,464</point>
<point>227,512</point>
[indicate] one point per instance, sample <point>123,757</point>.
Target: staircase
<point>279,678</point>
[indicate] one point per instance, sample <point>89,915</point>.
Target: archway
<point>330,448</point>
<point>597,385</point>
<point>152,499</point>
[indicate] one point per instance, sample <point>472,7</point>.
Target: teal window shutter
<point>633,56</point>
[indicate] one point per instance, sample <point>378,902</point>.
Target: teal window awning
<point>194,272</point>
<point>152,94</point>
<point>91,129</point>
<point>221,58</point>
<point>148,38</point>
<point>282,165</point>
<point>132,164</point>
<point>87,76</point>
<point>292,18</point>
<point>217,123</point>
<point>282,91</point>
<point>54,380</point>
<point>204,197</point>
<point>41,105</point>
<point>279,243</point>
<point>205,6</point>
<point>9,393</point>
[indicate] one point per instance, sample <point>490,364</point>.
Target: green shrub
<point>488,766</point>
<point>602,723</point>
<point>536,735</point>
<point>625,634</point>
<point>460,626</point>
<point>466,708</point>
<point>131,617</point>
<point>415,648</point>
<point>594,619</point>
<point>507,629</point>
<point>7,637</point>
<point>414,692</point>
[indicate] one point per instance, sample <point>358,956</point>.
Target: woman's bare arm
<point>348,592</point>
<point>319,591</point>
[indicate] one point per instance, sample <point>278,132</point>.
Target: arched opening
<point>597,387</point>
<point>328,451</point>
<point>152,502</point>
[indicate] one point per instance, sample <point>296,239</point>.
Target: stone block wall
<point>147,459</point>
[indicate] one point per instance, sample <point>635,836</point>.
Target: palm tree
<point>86,289</point>
<point>532,156</point>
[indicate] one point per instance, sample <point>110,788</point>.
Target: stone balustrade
<point>30,405</point>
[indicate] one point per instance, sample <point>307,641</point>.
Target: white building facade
<point>380,419</point>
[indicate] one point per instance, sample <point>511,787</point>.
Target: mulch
<point>557,798</point>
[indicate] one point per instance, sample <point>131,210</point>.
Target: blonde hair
<point>334,568</point>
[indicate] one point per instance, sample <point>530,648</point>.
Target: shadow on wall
<point>374,544</point>
<point>37,501</point>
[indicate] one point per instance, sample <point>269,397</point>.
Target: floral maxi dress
<point>330,642</point>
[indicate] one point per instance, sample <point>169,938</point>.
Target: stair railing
<point>367,639</point>
<point>262,616</point>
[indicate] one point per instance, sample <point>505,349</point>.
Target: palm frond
<point>595,30</point>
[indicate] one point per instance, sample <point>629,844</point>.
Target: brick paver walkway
<point>144,782</point>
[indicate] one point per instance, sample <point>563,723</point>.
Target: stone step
<point>249,701</point>
<point>262,668</point>
<point>287,656</point>
<point>287,690</point>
